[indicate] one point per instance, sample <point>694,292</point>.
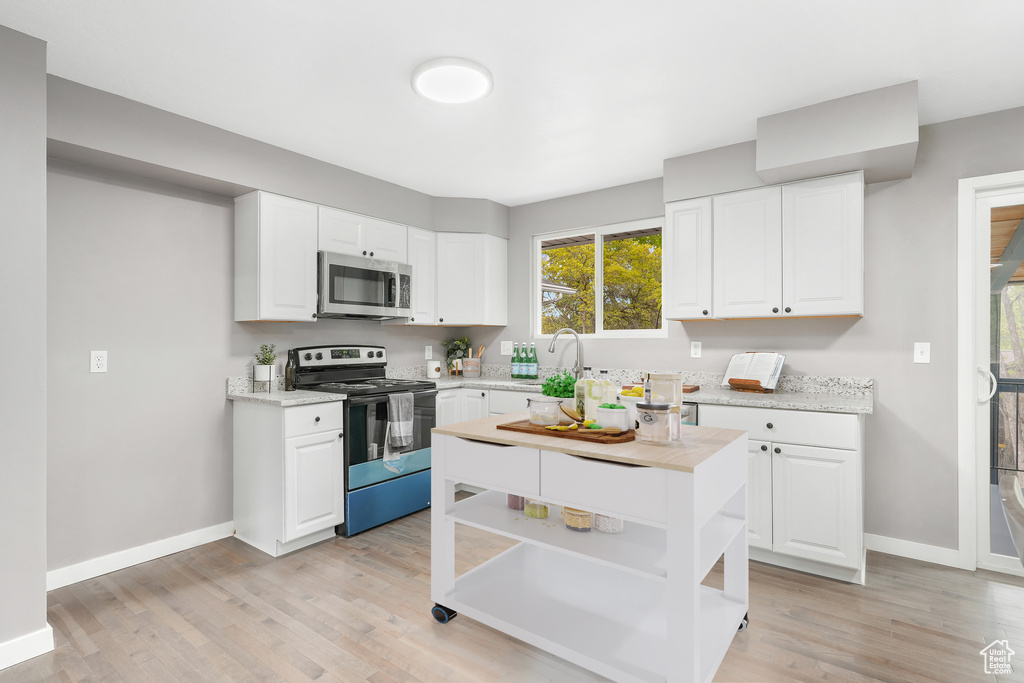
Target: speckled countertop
<point>823,394</point>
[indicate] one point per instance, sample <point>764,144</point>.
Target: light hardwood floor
<point>358,609</point>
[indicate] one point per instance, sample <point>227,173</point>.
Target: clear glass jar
<point>608,525</point>
<point>536,508</point>
<point>654,423</point>
<point>576,519</point>
<point>544,410</point>
<point>514,502</point>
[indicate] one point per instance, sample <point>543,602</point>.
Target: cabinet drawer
<point>501,402</point>
<point>626,490</point>
<point>508,468</point>
<point>318,417</point>
<point>831,430</point>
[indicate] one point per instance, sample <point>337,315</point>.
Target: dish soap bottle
<point>580,390</point>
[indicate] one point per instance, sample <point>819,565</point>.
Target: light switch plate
<point>429,352</point>
<point>694,349</point>
<point>506,348</point>
<point>922,352</point>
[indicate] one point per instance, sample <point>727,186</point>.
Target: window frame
<point>598,231</point>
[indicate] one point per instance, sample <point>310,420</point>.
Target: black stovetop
<point>346,369</point>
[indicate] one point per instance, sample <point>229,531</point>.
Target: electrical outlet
<point>922,352</point>
<point>506,348</point>
<point>97,361</point>
<point>429,352</point>
<point>694,349</point>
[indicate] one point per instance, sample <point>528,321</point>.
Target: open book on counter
<point>760,366</point>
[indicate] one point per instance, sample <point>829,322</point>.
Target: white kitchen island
<point>628,606</point>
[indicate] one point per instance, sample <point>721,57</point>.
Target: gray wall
<point>22,335</point>
<point>910,264</point>
<point>143,452</point>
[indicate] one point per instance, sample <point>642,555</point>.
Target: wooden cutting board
<point>578,434</point>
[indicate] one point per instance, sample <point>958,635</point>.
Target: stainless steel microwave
<point>366,288</point>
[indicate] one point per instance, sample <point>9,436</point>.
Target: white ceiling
<point>588,93</point>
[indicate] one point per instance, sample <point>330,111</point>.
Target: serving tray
<point>578,434</point>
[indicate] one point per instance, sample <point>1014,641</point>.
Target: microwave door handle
<point>392,289</point>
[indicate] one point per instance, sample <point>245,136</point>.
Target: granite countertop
<point>240,389</point>
<point>695,445</point>
<point>829,395</point>
<point>822,394</point>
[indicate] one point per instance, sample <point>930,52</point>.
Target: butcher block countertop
<point>696,444</point>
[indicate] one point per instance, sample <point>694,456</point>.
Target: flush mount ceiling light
<point>452,80</point>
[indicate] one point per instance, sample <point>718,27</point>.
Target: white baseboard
<point>915,551</point>
<point>56,578</point>
<point>26,647</point>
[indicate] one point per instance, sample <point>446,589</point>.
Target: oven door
<point>366,427</point>
<point>356,287</point>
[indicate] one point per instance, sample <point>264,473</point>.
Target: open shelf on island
<point>609,621</point>
<point>639,548</point>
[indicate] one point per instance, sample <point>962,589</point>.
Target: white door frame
<point>976,197</point>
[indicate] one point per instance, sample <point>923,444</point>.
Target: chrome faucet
<point>578,368</point>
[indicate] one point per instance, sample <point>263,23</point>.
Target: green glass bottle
<point>516,362</point>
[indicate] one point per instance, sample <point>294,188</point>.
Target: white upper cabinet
<point>423,259</point>
<point>688,259</point>
<point>823,246</point>
<point>275,258</point>
<point>790,250</point>
<point>342,232</point>
<point>472,279</point>
<point>748,253</point>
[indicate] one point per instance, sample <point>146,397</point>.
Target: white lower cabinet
<point>805,493</point>
<point>759,494</point>
<point>448,405</point>
<point>501,401</point>
<point>474,404</point>
<point>289,479</point>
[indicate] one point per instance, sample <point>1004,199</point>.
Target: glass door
<point>366,440</point>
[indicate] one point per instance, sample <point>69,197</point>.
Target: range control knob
<point>319,356</point>
<point>308,356</point>
<point>380,354</point>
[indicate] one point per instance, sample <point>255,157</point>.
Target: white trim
<point>1002,564</point>
<point>26,647</point>
<point>913,550</point>
<point>969,431</point>
<point>57,578</point>
<point>800,564</point>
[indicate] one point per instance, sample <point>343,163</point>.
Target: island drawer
<point>602,486</point>
<point>509,468</point>
<point>310,419</point>
<point>829,430</point>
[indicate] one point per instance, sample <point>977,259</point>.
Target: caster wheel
<point>744,623</point>
<point>442,614</point>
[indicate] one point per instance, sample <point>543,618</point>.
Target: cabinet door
<point>474,404</point>
<point>500,401</point>
<point>823,246</point>
<point>689,257</point>
<point>314,484</point>
<point>759,494</point>
<point>342,232</point>
<point>387,240</point>
<point>460,272</point>
<point>287,257</point>
<point>494,281</point>
<point>816,504</point>
<point>748,253</point>
<point>423,259</point>
<point>448,404</point>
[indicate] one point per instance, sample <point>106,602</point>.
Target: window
<point>621,261</point>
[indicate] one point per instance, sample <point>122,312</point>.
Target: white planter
<point>263,373</point>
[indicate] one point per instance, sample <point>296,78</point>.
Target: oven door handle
<point>382,398</point>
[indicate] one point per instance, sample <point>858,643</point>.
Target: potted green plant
<point>263,369</point>
<point>454,351</point>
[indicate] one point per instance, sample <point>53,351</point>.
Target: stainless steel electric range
<point>376,490</point>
